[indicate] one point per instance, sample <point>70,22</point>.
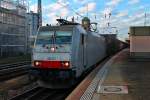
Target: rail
<point>9,71</point>
<point>39,93</point>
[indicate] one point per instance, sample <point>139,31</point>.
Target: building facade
<point>139,42</point>
<point>13,28</point>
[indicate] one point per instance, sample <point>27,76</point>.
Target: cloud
<point>82,1</point>
<point>125,17</point>
<point>110,6</point>
<point>107,10</point>
<point>64,12</point>
<point>113,2</point>
<point>33,7</point>
<point>133,2</point>
<point>122,14</point>
<point>90,6</point>
<point>53,7</point>
<point>123,20</point>
<point>53,11</point>
<point>79,0</point>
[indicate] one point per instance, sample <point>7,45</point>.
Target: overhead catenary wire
<point>66,6</point>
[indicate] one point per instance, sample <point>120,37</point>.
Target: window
<point>63,37</point>
<point>45,37</point>
<point>57,37</point>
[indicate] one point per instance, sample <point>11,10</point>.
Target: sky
<point>120,14</point>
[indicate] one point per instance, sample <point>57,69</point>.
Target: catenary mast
<point>39,13</point>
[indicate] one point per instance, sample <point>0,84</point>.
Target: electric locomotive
<point>61,54</point>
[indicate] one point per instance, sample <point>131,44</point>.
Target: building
<point>13,28</point>
<point>139,42</point>
<point>32,19</point>
<point>34,22</point>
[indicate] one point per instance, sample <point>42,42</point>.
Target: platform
<point>120,78</point>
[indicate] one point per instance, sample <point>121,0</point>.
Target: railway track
<point>39,93</point>
<point>6,66</point>
<point>8,71</point>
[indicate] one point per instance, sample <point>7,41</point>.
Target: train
<point>63,53</point>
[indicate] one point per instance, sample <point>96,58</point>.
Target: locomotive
<point>61,54</point>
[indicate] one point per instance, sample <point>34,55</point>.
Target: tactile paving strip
<point>98,80</point>
<point>95,82</point>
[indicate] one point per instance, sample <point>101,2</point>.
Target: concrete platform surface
<point>119,79</point>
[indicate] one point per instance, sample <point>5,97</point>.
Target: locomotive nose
<point>52,64</point>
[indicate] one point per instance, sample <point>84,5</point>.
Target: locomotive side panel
<point>96,49</point>
<point>77,53</point>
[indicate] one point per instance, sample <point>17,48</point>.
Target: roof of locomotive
<point>63,28</point>
<point>52,28</point>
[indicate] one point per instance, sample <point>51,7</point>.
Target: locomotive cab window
<point>45,37</point>
<point>63,37</point>
<point>54,37</point>
<point>54,41</point>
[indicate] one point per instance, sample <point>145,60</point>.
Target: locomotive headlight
<point>52,49</point>
<point>37,63</point>
<point>66,64</point>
